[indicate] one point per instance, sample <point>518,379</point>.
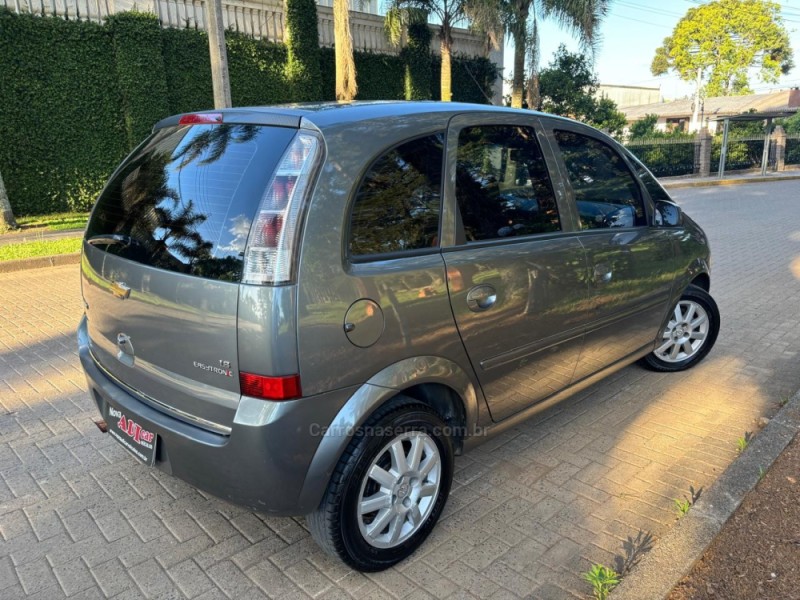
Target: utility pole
<point>219,54</point>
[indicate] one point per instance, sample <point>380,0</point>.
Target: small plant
<point>784,400</point>
<point>603,579</point>
<point>682,505</point>
<point>743,442</point>
<point>761,473</point>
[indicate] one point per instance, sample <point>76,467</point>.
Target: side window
<point>502,185</point>
<point>605,190</point>
<point>398,201</point>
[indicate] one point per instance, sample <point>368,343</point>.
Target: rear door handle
<point>481,298</point>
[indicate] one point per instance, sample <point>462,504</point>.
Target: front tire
<point>689,335</point>
<point>388,489</point>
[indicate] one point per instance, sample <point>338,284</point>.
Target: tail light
<point>270,388</point>
<point>269,254</point>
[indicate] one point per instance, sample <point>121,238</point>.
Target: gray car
<point>311,310</point>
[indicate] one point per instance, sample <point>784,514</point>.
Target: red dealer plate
<point>134,438</point>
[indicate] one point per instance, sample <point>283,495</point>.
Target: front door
<point>515,268</point>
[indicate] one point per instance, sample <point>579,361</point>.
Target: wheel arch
<point>435,381</point>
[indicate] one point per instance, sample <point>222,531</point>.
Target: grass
<point>39,248</point>
<point>56,222</point>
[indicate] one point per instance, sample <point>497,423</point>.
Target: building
<point>678,114</point>
<point>629,95</point>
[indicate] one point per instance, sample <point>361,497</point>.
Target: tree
<point>568,87</point>
<point>608,118</point>
<point>714,45</point>
<point>346,86</point>
<point>644,128</point>
<point>7,220</point>
<point>521,20</point>
<point>790,125</point>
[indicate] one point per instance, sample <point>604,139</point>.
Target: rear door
<point>515,269</point>
<point>631,264</point>
<point>162,260</point>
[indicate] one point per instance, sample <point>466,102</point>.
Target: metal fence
<point>792,156</point>
<point>743,153</point>
<point>668,157</point>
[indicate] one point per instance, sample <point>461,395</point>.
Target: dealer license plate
<point>134,438</point>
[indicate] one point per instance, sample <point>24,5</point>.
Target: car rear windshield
<point>185,199</point>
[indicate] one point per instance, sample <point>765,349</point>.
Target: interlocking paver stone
<point>529,510</point>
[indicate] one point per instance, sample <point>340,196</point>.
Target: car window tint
<point>398,202</point>
<point>185,199</point>
<point>502,185</point>
<point>606,192</point>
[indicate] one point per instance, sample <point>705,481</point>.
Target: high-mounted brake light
<point>201,119</point>
<point>271,244</point>
<point>270,388</point>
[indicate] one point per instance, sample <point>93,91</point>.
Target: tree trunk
<point>534,98</point>
<point>518,83</point>
<point>346,87</point>
<point>695,125</point>
<point>220,79</point>
<point>446,75</point>
<point>7,220</point>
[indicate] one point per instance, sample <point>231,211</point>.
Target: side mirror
<point>668,214</point>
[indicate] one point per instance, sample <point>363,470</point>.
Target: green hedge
<point>62,129</point>
<point>302,57</point>
<point>75,96</point>
<point>416,56</point>
<point>140,72</point>
<point>188,70</point>
<point>472,81</point>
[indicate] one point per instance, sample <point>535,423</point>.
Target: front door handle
<point>481,297</point>
<point>602,273</point>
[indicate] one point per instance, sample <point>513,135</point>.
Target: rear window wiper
<point>110,239</point>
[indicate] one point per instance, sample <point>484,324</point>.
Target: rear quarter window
<point>397,205</point>
<point>185,200</point>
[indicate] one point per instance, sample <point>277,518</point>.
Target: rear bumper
<point>262,464</point>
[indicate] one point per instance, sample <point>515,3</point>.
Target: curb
<point>677,183</point>
<point>22,264</point>
<point>674,555</point>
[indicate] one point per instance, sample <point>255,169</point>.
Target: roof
<point>328,114</point>
<point>717,106</point>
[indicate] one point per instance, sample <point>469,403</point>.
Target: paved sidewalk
<point>529,511</point>
<point>35,235</point>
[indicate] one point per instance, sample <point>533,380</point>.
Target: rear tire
<point>388,489</point>
<point>689,334</point>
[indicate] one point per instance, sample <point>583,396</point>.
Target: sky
<point>633,30</point>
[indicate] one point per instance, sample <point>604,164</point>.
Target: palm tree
<point>521,20</point>
<point>7,220</point>
<point>346,86</point>
<point>449,13</point>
